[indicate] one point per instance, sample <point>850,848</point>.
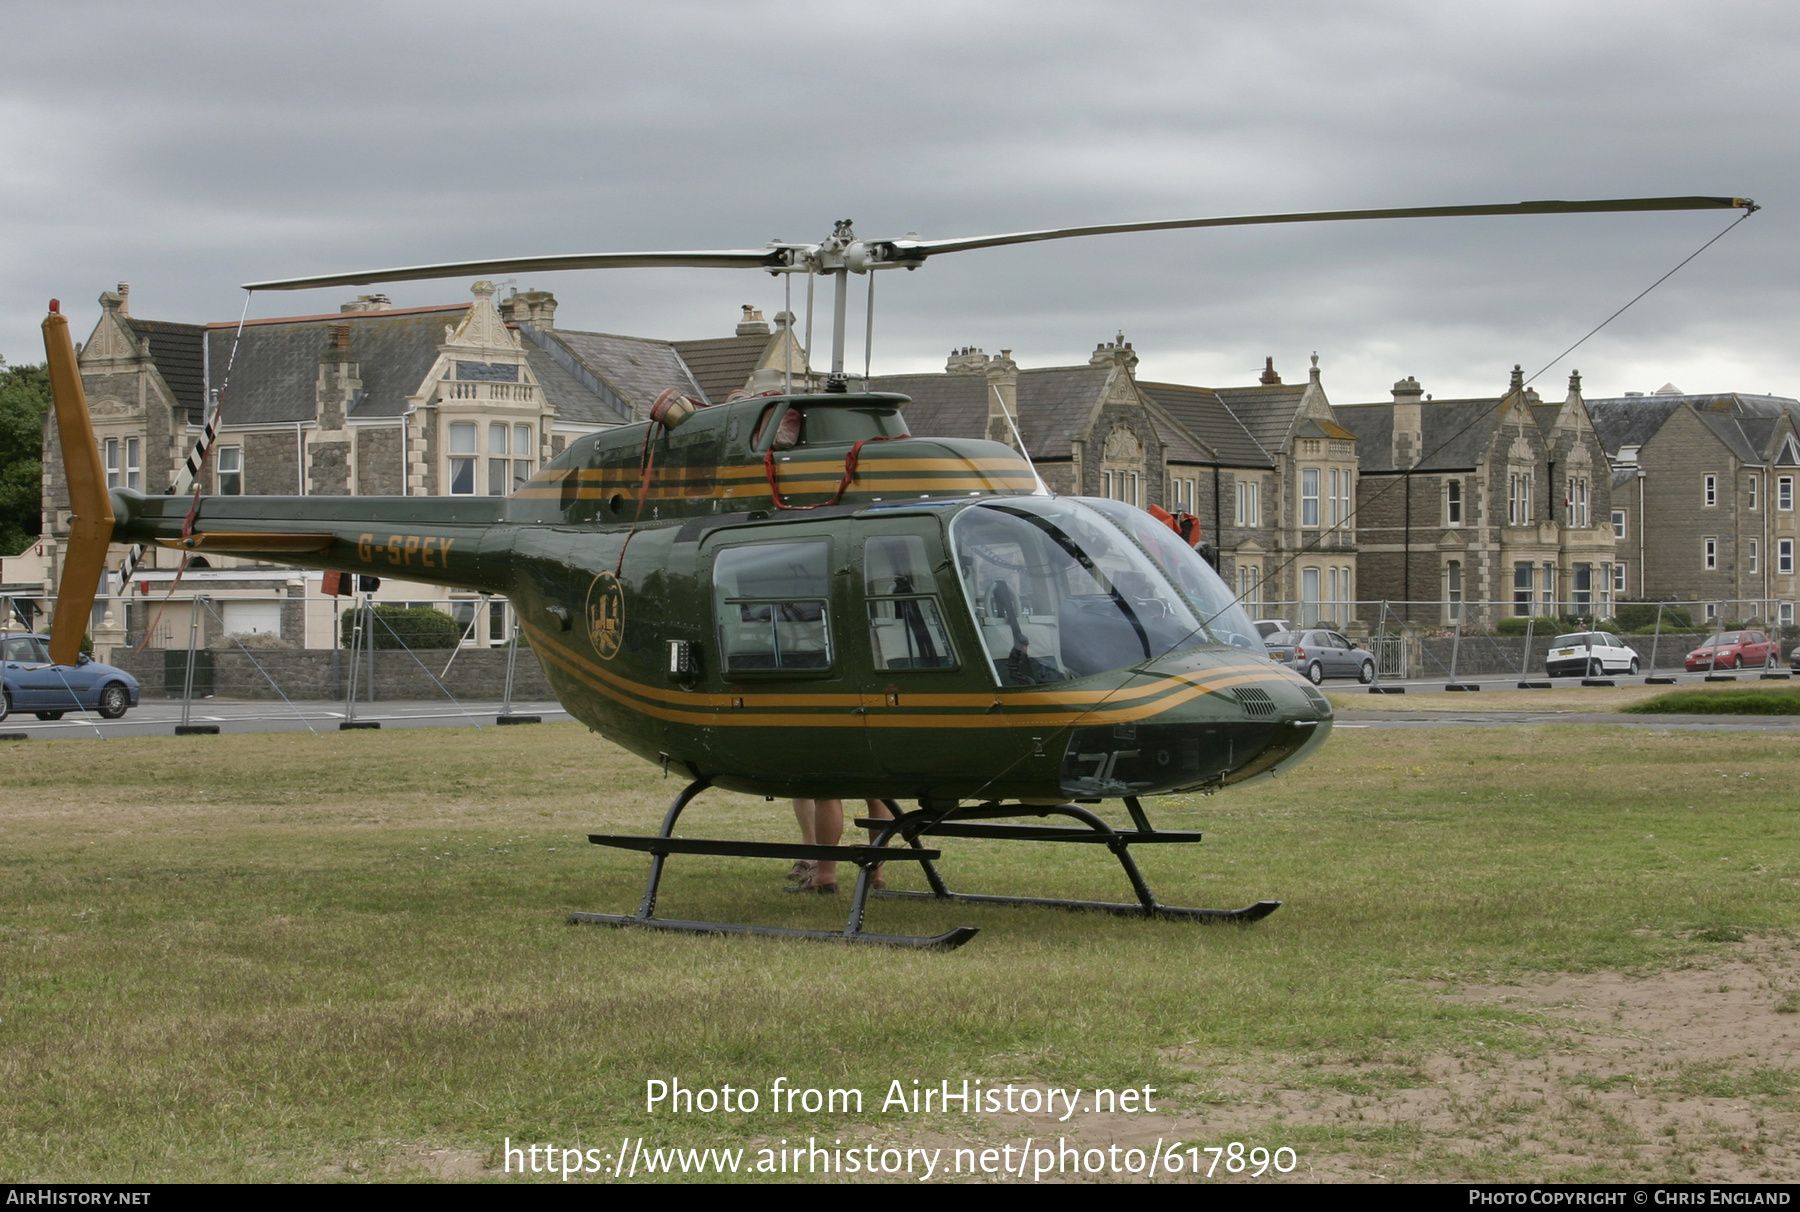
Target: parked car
<point>1589,654</point>
<point>1320,654</point>
<point>1734,650</point>
<point>1268,627</point>
<point>1794,659</point>
<point>33,683</point>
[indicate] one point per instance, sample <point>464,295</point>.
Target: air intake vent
<point>1255,701</point>
<point>1320,703</point>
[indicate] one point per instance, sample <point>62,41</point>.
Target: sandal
<point>809,884</point>
<point>800,871</point>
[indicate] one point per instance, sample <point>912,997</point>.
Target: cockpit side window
<point>906,627</point>
<point>1058,593</point>
<point>1224,617</point>
<point>771,601</point>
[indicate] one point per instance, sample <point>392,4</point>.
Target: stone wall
<point>478,674</point>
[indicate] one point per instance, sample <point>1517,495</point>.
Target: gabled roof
<point>634,369</point>
<point>275,376</point>
<point>1268,411</point>
<point>723,365</point>
<point>179,354</point>
<point>1201,412</point>
<point>1629,420</point>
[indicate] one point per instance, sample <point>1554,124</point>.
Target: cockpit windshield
<point>1225,618</point>
<point>1059,593</point>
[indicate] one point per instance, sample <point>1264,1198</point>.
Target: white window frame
<point>1755,484</point>
<point>1784,494</point>
<point>1618,578</point>
<point>1453,590</point>
<point>1784,557</point>
<point>1453,502</point>
<point>1249,503</point>
<point>1309,499</point>
<point>1618,523</point>
<point>1753,555</point>
<point>1709,553</point>
<point>1250,587</point>
<point>454,458</point>
<point>228,471</point>
<point>1710,496</point>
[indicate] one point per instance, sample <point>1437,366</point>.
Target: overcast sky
<point>187,148</point>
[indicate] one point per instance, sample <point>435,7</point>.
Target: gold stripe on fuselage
<point>1133,703</point>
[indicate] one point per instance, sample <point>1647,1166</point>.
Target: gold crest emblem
<point>606,615</point>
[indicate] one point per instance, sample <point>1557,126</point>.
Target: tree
<point>24,399</point>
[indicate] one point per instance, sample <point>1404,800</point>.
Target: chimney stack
<point>125,298</point>
<point>1409,423</point>
<point>1269,377</point>
<point>752,324</point>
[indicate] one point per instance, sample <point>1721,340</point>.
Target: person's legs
<point>828,830</point>
<point>803,816</point>
<point>877,811</point>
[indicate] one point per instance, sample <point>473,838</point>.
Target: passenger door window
<point>771,604</point>
<point>906,626</point>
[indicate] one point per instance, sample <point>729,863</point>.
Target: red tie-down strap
<point>1184,524</point>
<point>849,474</point>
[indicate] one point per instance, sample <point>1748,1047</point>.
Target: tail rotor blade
<point>90,504</point>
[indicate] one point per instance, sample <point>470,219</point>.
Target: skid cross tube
<point>866,858</point>
<point>958,822</point>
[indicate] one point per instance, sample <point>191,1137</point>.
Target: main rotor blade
<point>733,258</point>
<point>907,250</point>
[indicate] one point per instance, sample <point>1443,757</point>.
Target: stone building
<point>1266,468</point>
<point>1504,500</point>
<point>460,398</point>
<point>1703,500</point>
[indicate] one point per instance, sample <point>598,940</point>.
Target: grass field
<point>290,957</point>
<point>1559,699</point>
<point>1742,700</point>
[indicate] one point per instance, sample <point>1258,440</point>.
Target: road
<point>158,717</point>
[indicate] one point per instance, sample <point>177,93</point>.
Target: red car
<point>1734,650</point>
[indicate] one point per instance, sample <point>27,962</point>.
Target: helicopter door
<point>910,653</point>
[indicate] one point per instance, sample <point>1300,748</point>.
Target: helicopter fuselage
<point>791,596</point>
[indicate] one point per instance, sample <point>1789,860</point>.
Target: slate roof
<point>1054,403</point>
<point>578,396</point>
<point>1200,412</point>
<point>943,406</point>
<point>1456,432</point>
<point>634,369</point>
<point>274,379</point>
<point>1745,424</point>
<point>1267,411</point>
<point>723,365</point>
<point>179,353</point>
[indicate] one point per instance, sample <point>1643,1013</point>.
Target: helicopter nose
<point>1203,720</point>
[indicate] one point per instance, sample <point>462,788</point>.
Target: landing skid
<point>928,821</point>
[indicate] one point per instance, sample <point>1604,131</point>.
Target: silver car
<point>1318,653</point>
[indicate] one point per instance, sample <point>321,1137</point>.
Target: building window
<point>1712,491</point>
<point>231,471</point>
<point>1249,503</point>
<point>1453,582</point>
<point>1582,591</point>
<point>1753,553</point>
<point>124,463</point>
<point>1453,504</point>
<point>1309,597</point>
<point>1618,578</point>
<point>1181,495</point>
<point>1345,508</point>
<point>1784,557</point>
<point>1606,591</point>
<point>1787,614</point>
<point>1712,612</point>
<point>1309,503</point>
<point>1711,553</point>
<point>1250,587</point>
<point>462,458</point>
<point>1575,508</point>
<point>1784,494</point>
<point>524,452</point>
<point>1518,499</point>
<point>1755,484</point>
<point>1522,589</point>
<point>1547,591</point>
<point>1618,523</point>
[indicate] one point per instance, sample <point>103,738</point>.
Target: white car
<point>1589,654</point>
